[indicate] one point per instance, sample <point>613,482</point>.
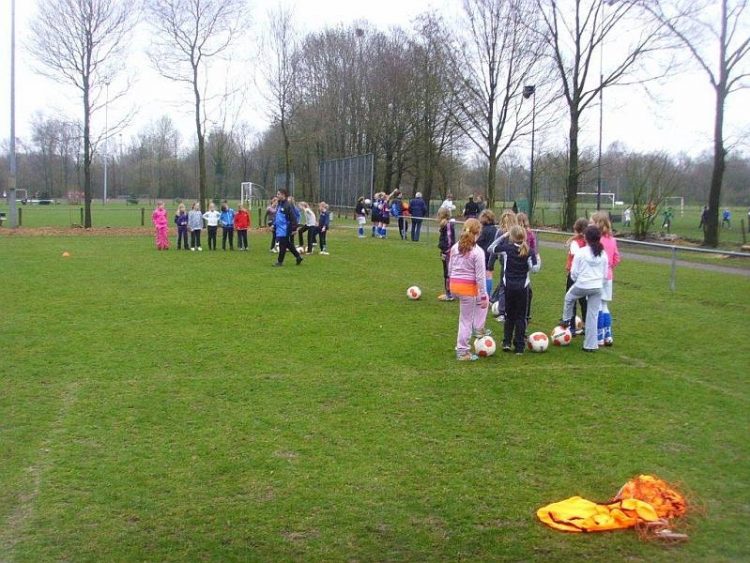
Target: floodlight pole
<point>12,211</point>
<point>106,140</point>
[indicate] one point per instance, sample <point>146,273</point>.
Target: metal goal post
<point>251,194</point>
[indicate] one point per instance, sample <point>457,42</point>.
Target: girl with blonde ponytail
<point>518,262</point>
<point>466,275</point>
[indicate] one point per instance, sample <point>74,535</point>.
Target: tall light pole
<point>530,92</point>
<point>601,106</point>
<point>12,211</point>
<point>106,139</point>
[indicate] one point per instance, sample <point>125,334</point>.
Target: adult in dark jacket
<point>418,209</point>
<point>285,224</point>
<point>471,209</point>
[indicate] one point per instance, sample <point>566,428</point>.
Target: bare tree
<point>574,35</point>
<point>83,42</point>
<point>188,34</point>
<point>280,76</point>
<point>501,56</point>
<point>708,29</point>
<point>652,179</point>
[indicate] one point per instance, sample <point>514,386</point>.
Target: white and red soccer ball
<point>414,293</point>
<point>579,323</point>
<point>561,336</point>
<point>537,342</point>
<point>485,346</point>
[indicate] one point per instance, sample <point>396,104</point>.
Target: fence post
<point>744,233</point>
<point>81,223</point>
<point>672,279</point>
<point>20,217</point>
<point>143,216</point>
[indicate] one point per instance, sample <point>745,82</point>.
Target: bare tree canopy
<point>83,42</point>
<point>575,36</point>
<point>717,36</point>
<point>188,33</point>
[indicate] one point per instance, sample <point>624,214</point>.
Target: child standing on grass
<point>507,221</point>
<point>212,225</point>
<point>195,225</point>
<point>159,219</point>
<point>181,220</point>
<point>324,221</point>
<point>226,220</point>
<point>486,237</point>
<point>467,282</point>
<point>360,214</point>
<point>589,273</point>
<point>523,220</point>
<point>574,244</point>
<point>518,261</point>
<point>269,220</point>
<point>445,242</point>
<point>241,225</point>
<point>309,226</point>
<point>604,324</point>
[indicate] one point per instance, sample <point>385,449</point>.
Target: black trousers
<point>195,238</point>
<point>227,233</point>
<point>273,236</point>
<point>212,237</point>
<point>287,243</point>
<point>516,305</point>
<point>322,239</point>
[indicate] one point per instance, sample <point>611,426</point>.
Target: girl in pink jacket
<point>466,275</point>
<point>604,325</point>
<point>159,219</point>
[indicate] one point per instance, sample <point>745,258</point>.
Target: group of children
<point>305,222</point>
<point>191,222</point>
<point>468,265</point>
<point>231,222</point>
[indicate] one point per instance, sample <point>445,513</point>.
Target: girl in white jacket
<point>588,272</point>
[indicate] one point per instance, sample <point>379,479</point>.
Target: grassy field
<point>165,406</point>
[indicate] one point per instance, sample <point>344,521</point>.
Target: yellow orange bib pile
<point>641,500</point>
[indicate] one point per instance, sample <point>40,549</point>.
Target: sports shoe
<point>192,249</point>
<point>277,264</point>
<point>299,260</point>
<point>506,348</point>
<point>519,352</point>
<point>481,333</point>
<point>324,253</point>
<point>444,297</point>
<point>467,357</point>
<point>589,349</point>
<point>500,319</point>
<point>200,249</point>
<point>608,341</point>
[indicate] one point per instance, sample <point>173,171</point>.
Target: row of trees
<point>419,100</point>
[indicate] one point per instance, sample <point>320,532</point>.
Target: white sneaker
<point>192,249</point>
<point>324,253</point>
<point>200,249</point>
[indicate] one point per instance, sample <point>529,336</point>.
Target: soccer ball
<point>561,336</point>
<point>301,249</point>
<point>414,292</point>
<point>368,202</point>
<point>537,342</point>
<point>579,323</point>
<point>496,309</point>
<point>485,346</point>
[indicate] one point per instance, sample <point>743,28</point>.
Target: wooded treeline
<point>441,107</point>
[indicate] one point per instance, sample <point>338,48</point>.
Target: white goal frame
<point>250,192</point>
<point>609,195</point>
<point>682,202</point>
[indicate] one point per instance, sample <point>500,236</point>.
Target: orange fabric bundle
<point>643,499</point>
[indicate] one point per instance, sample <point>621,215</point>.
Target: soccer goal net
<point>682,202</point>
<point>589,198</point>
<point>251,194</point>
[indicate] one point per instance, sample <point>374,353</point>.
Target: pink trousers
<point>472,316</point>
<point>162,238</point>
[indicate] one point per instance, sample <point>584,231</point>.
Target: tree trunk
<point>571,195</point>
<point>491,181</point>
<point>202,196</point>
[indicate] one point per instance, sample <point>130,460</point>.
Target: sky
<point>677,116</point>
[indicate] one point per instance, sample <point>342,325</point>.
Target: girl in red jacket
<point>241,224</point>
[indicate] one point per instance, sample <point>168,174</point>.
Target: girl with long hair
<point>467,282</point>
<point>588,272</point>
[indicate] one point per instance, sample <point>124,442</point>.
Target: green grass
<point>173,405</point>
